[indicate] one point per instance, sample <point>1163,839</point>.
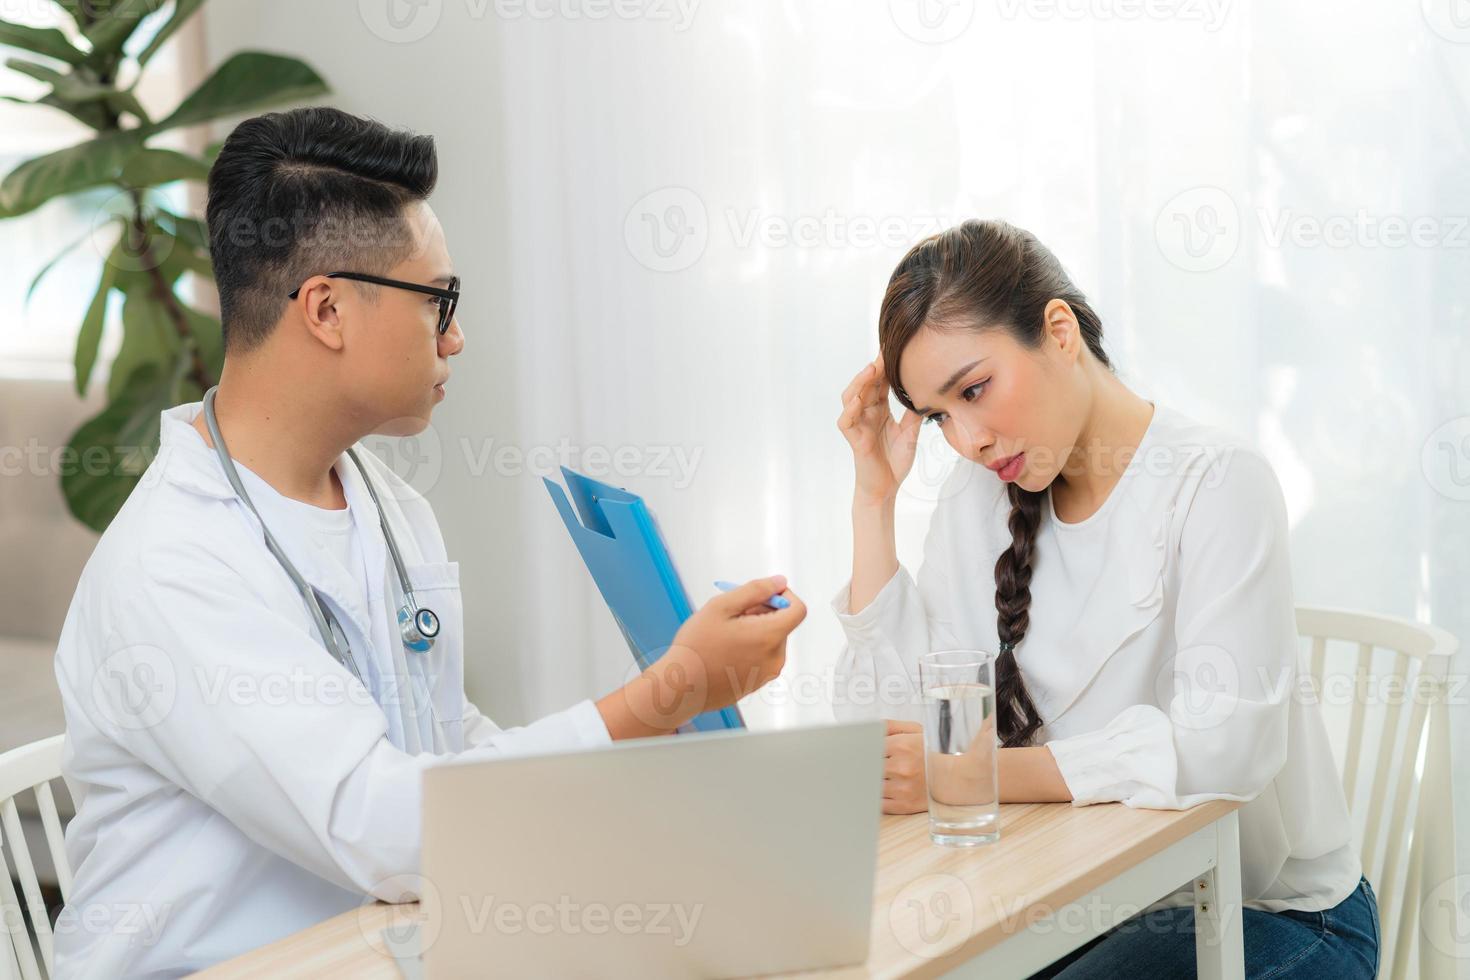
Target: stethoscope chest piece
<point>419,627</point>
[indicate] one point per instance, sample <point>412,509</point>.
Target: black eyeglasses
<point>449,298</point>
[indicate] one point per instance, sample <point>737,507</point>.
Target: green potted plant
<point>171,352</point>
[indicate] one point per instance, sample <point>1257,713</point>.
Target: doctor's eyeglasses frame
<point>450,296</point>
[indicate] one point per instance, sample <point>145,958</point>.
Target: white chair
<point>30,767</point>
<point>1409,769</point>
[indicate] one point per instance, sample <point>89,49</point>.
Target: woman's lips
<point>1012,469</point>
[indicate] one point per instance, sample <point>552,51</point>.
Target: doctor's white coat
<point>234,783</point>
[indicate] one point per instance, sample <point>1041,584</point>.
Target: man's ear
<point>322,311</point>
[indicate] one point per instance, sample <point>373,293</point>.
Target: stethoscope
<point>419,624</point>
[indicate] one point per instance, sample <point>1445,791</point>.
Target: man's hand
<point>903,768</point>
<point>732,646</point>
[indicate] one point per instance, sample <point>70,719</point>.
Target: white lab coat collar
<point>189,464</point>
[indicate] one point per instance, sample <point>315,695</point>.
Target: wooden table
<point>1059,876</point>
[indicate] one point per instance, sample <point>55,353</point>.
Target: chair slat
<point>30,885</point>
<point>1408,911</point>
<point>1388,743</point>
<point>1319,659</point>
<point>55,838</point>
<point>14,924</point>
<point>1355,726</point>
<point>1398,842</point>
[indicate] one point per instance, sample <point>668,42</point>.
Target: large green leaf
<point>150,166</point>
<point>75,168</point>
<point>113,448</point>
<point>149,336</point>
<point>91,333</point>
<point>91,114</point>
<point>250,80</point>
<point>75,89</point>
<point>72,88</point>
<point>40,40</point>
<point>183,10</point>
<point>109,32</point>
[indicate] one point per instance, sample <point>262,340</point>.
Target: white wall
<point>449,94</point>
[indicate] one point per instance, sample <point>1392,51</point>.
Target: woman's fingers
<point>857,382</point>
<point>870,385</point>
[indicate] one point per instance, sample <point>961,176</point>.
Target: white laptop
<point>714,854</point>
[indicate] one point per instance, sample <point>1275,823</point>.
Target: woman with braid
<point>1129,565</point>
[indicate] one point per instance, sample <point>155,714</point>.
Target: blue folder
<point>622,546</point>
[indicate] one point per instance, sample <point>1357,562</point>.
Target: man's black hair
<point>304,193</point>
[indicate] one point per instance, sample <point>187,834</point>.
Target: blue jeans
<point>1340,943</point>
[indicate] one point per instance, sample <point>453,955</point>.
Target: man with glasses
<point>247,720</point>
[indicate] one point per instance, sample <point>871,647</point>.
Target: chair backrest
<point>28,768</point>
<point>1398,788</point>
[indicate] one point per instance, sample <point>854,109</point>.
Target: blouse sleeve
<point>877,674</point>
<point>1219,729</point>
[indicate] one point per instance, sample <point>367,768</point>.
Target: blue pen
<point>775,601</point>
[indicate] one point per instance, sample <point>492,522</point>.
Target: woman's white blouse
<point>1161,652</point>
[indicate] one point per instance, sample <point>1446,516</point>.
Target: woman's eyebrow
<point>954,379</point>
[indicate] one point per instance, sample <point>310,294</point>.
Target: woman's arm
<point>1027,775</point>
<point>883,452</point>
<point>874,552</point>
<point>1030,775</point>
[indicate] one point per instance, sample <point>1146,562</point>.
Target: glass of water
<point>960,747</point>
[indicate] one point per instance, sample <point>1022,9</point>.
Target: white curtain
<point>1266,201</point>
<point>675,223</point>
